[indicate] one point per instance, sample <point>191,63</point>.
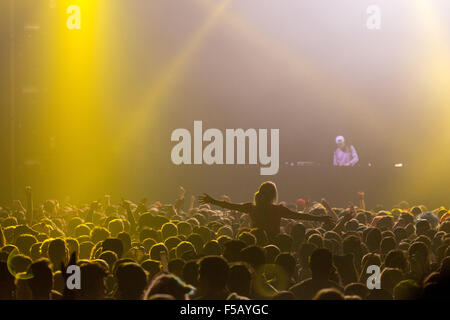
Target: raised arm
<point>347,217</point>
<point>127,206</point>
<point>29,205</point>
<point>242,207</point>
<point>330,210</point>
<point>90,214</point>
<point>191,203</point>
<point>362,203</point>
<point>179,203</point>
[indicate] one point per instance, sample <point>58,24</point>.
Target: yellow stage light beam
<point>76,79</point>
<point>433,77</point>
<point>147,113</point>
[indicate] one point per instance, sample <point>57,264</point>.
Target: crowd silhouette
<point>215,250</point>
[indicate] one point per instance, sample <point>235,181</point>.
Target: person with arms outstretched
<point>264,212</point>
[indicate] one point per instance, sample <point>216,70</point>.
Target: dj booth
<point>339,185</point>
<point>382,185</point>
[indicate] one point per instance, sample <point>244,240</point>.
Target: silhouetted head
<point>329,294</point>
<point>20,263</point>
<point>152,267</point>
<point>254,256</point>
<point>232,250</point>
<point>7,285</point>
<point>113,244</point>
<point>176,267</point>
<point>287,262</point>
<point>387,244</point>
<point>390,277</point>
<point>356,289</point>
<point>183,247</point>
<point>155,251</point>
<point>115,226</point>
<point>396,259</point>
<point>92,281</point>
<point>422,226</point>
<point>126,241</point>
<point>212,247</point>
<point>239,279</point>
<point>98,234</point>
<point>24,243</point>
<point>248,238</point>
<point>169,229</point>
<point>271,251</point>
<point>321,263</point>
<point>41,283</point>
<point>419,251</point>
<point>266,194</point>
<point>168,284</point>
<point>373,239</point>
<point>110,257</point>
<point>213,273</point>
<point>131,281</point>
<point>284,242</point>
<point>190,273</point>
<point>57,252</point>
<point>260,235</point>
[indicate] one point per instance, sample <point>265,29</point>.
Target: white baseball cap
<point>340,139</point>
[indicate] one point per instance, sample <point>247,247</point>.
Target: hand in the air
<point>325,203</point>
<point>181,191</point>
<point>205,199</point>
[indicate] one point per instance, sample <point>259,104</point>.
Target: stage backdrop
<point>95,106</point>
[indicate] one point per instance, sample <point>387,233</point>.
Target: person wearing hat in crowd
<point>430,217</point>
<point>345,155</point>
<point>300,204</point>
